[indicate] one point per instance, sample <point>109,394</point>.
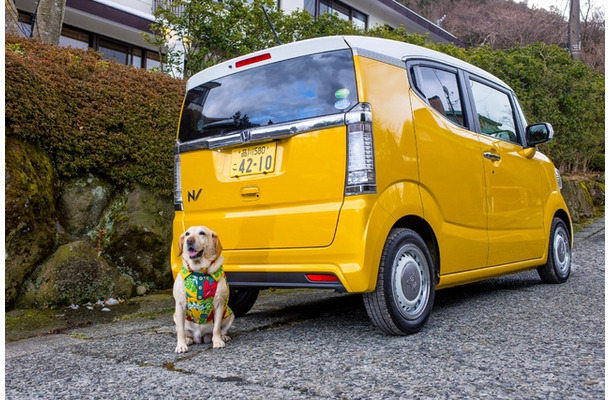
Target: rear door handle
<point>492,156</point>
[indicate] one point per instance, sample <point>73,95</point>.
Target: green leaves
<point>196,34</point>
<point>91,115</point>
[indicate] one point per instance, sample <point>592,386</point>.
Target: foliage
<point>92,115</point>
<point>196,34</point>
<point>506,24</point>
<point>552,88</point>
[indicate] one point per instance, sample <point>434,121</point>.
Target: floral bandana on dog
<point>200,290</point>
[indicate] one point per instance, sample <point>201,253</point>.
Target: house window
<point>343,11</point>
<point>152,60</point>
<point>121,52</point>
<point>76,38</point>
<point>113,51</point>
<point>25,24</point>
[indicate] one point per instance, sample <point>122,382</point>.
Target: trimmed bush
<point>92,115</point>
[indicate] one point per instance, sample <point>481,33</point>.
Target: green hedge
<point>92,115</point>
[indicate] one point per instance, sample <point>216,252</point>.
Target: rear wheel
<point>404,295</point>
<point>241,300</point>
<point>559,261</point>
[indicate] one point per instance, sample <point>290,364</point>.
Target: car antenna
<point>271,26</point>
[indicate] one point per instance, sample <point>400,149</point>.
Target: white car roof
<point>386,50</point>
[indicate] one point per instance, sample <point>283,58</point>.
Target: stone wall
<point>89,241</point>
<point>84,242</point>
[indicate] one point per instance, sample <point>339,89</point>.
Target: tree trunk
<point>574,29</point>
<point>48,20</point>
<point>11,17</point>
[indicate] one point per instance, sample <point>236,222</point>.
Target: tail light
<point>177,181</point>
<point>360,152</point>
<point>558,177</point>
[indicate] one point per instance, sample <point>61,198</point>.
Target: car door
<point>451,175</point>
<point>513,177</point>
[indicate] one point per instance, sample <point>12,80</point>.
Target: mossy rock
<point>81,204</point>
<point>30,228</point>
<point>578,198</point>
<point>138,237</point>
<point>75,274</point>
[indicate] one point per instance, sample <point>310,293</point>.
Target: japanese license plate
<point>251,160</point>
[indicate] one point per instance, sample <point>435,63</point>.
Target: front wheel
<point>559,260</point>
<point>404,295</point>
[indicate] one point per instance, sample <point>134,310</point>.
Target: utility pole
<point>574,29</point>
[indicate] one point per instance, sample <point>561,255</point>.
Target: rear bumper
<point>353,257</point>
<point>287,280</point>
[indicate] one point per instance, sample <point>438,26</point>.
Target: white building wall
<point>143,6</point>
<point>289,6</point>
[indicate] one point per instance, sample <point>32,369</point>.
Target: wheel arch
<point>425,231</point>
<point>565,217</point>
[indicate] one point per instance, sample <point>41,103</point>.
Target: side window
<point>495,112</point>
<point>441,90</point>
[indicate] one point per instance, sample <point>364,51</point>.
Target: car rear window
<point>304,87</point>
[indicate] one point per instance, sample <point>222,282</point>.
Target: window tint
<point>494,112</point>
<point>299,88</point>
<point>442,92</point>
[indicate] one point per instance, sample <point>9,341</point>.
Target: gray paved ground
<point>507,338</point>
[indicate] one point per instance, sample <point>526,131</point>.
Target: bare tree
<point>11,17</point>
<point>48,20</point>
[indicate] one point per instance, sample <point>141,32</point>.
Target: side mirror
<point>538,133</point>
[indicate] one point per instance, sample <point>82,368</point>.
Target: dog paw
<point>218,343</point>
<point>225,338</point>
<point>181,348</point>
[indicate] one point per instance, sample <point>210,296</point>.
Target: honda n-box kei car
<point>366,165</point>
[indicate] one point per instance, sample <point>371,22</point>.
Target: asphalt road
<point>507,338</point>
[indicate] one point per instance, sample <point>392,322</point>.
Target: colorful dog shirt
<point>200,291</point>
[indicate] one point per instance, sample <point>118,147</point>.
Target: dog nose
<point>190,240</point>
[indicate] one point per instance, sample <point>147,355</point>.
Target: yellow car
<point>366,165</point>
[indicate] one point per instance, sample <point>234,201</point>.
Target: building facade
<point>114,27</point>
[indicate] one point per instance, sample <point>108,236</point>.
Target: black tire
<point>404,295</point>
<point>241,300</point>
<point>559,261</point>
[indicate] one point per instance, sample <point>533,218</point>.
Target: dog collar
<point>186,271</point>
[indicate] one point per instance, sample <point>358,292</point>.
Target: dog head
<point>199,247</point>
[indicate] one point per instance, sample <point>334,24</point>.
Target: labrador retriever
<point>201,291</point>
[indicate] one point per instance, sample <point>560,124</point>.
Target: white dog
<point>201,291</point>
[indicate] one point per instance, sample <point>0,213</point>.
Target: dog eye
<point>186,233</point>
<point>202,233</point>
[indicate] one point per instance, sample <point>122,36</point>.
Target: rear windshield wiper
<point>223,123</point>
<point>237,123</point>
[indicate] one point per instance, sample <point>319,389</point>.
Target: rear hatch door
<point>262,151</point>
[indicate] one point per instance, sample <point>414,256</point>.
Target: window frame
<point>340,8</point>
<point>469,109</point>
<point>414,75</point>
<point>517,113</point>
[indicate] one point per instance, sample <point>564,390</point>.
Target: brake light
<point>253,60</point>
<point>178,205</point>
<point>360,154</point>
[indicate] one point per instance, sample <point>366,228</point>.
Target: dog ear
<point>213,248</point>
<point>218,245</point>
<point>180,244</point>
